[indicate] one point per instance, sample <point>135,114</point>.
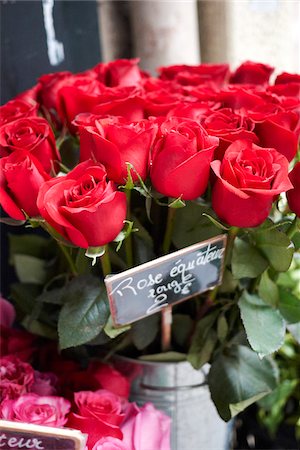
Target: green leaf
<point>268,290</point>
<point>144,331</point>
<point>222,328</point>
<point>265,327</point>
<point>30,269</point>
<point>181,328</point>
<point>165,357</point>
<point>239,378</point>
<point>203,341</point>
<point>113,332</point>
<point>191,227</point>
<point>28,244</point>
<point>216,222</point>
<point>85,311</point>
<point>39,328</point>
<point>176,203</point>
<point>12,222</point>
<point>289,306</point>
<point>24,296</point>
<point>53,296</point>
<point>276,247</point>
<point>229,284</point>
<point>246,261</point>
<point>127,230</point>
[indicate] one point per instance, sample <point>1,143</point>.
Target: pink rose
<point>32,408</point>
<point>110,443</point>
<point>16,377</point>
<point>146,428</point>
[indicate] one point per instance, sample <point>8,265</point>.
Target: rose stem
<point>105,262</point>
<point>128,240</point>
<point>68,258</point>
<point>293,228</point>
<point>166,313</point>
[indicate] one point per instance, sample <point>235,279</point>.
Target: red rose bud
<point>252,73</point>
<point>32,134</point>
<point>114,141</point>
<point>229,127</point>
<point>79,94</point>
<point>248,179</point>
<point>214,74</point>
<point>82,206</point>
<point>181,159</point>
<point>121,101</point>
<point>286,77</point>
<point>21,176</point>
<point>17,108</point>
<point>293,195</point>
<point>122,72</point>
<point>280,131</point>
<point>49,87</point>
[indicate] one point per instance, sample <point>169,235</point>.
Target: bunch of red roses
<point>190,128</point>
<point>93,400</point>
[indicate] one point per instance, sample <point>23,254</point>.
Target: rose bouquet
<point>121,167</point>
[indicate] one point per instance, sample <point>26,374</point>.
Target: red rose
<point>286,90</point>
<point>251,73</point>
<point>15,342</point>
<point>237,98</point>
<point>78,94</point>
<point>82,206</point>
<point>286,77</point>
<point>197,111</point>
<point>160,102</point>
<point>228,127</point>
<point>293,195</point>
<point>17,108</point>
<point>30,94</point>
<point>16,377</point>
<point>21,176</point>
<point>280,131</point>
<point>121,72</point>
<point>50,84</point>
<point>98,414</point>
<point>113,141</point>
<point>124,101</point>
<point>181,159</point>
<point>248,179</point>
<point>214,74</point>
<point>109,378</point>
<point>32,134</point>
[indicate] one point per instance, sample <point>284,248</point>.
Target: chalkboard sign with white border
<point>165,281</point>
<point>18,435</point>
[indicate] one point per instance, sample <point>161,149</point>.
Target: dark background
<point>24,54</point>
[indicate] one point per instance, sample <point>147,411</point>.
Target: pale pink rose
<point>7,313</point>
<point>44,383</point>
<point>41,410</point>
<point>16,377</point>
<point>110,443</point>
<point>146,428</point>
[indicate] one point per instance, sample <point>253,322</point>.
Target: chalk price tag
<point>168,280</point>
<point>17,435</point>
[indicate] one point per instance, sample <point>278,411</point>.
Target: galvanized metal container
<point>182,393</point>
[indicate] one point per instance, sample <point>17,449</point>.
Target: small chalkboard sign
<point>17,435</point>
<point>165,281</point>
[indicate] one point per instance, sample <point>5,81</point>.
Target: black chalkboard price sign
<point>17,435</point>
<point>165,281</point>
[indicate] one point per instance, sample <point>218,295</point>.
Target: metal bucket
<point>182,393</point>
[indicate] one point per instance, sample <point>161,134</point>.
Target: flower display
<point>113,168</point>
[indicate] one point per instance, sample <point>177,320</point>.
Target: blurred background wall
<point>42,36</point>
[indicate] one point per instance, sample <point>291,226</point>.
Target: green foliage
<point>264,325</point>
<point>203,342</point>
<point>246,262</point>
<point>238,378</point>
